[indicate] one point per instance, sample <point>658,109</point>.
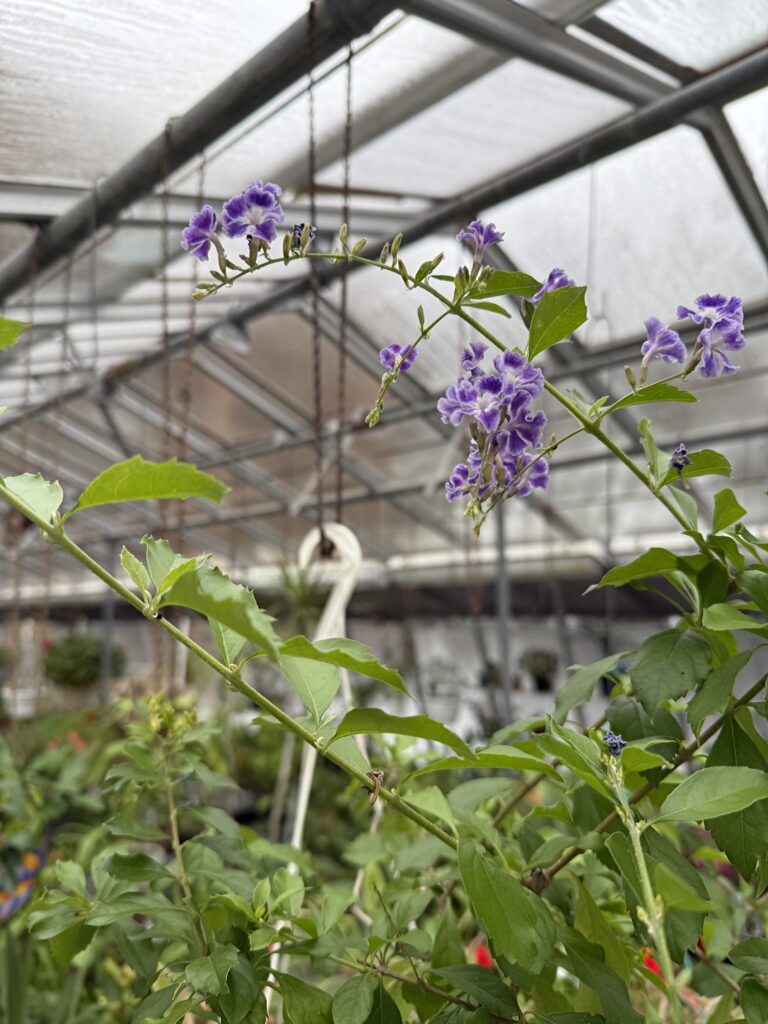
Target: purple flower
<point>296,234</point>
<point>482,235</point>
<point>254,212</point>
<point>517,374</point>
<point>201,232</point>
<point>389,356</point>
<point>471,356</point>
<point>525,472</point>
<point>480,398</point>
<point>680,459</point>
<point>556,278</point>
<point>615,743</point>
<point>722,321</point>
<point>662,343</point>
<point>459,482</point>
<point>713,308</point>
<point>523,427</point>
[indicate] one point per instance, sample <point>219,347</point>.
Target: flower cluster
<point>615,743</point>
<point>722,323</point>
<point>255,212</point>
<point>504,428</point>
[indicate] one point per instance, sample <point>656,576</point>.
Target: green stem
<point>652,905</point>
<point>186,888</point>
<point>57,535</point>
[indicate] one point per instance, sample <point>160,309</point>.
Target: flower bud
<point>630,377</point>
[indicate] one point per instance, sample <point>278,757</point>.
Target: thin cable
<point>341,395</point>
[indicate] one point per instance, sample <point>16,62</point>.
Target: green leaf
<point>245,1000</point>
<point>384,1010</point>
<point>347,654</point>
<point>557,315</point>
<point>41,496</point>
<point>704,463</point>
<point>510,761</point>
<point>504,282</point>
<point>518,922</point>
<point>135,570</point>
<point>715,692</point>
<point>754,1001</point>
<point>129,903</point>
<point>675,893</point>
<point>315,683</point>
<point>216,596</point>
<point>713,583</point>
<point>741,836</point>
<point>658,461</point>
<point>215,818</point>
<point>483,985</point>
<point>593,925</point>
<point>71,874</point>
<point>353,1002</point>
<point>654,562</point>
<point>726,617</point>
<point>68,944</point>
<point>727,510</point>
<point>372,720</point>
<point>688,506</point>
<point>123,825</point>
<point>433,801</point>
<point>668,665</point>
<point>303,1003</point>
<point>156,1004</point>
<point>580,686</point>
<point>10,331</point>
<point>448,947</point>
<point>750,955</point>
<point>208,974</point>
<point>228,642</point>
<point>587,964</point>
<point>755,584</point>
<point>137,867</point>
<point>491,307</point>
<point>712,792</point>
<point>568,1018</point>
<point>137,480</point>
<point>661,392</point>
<point>637,759</point>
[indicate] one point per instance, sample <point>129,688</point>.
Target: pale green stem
<point>186,888</point>
<point>652,905</point>
<point>57,536</point>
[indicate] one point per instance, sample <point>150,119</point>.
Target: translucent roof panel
<point>646,229</point>
<point>749,119</point>
<point>696,33</point>
<point>480,138</point>
<point>121,70</point>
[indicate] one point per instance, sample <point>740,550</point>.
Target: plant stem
<point>652,906</point>
<point>57,535</point>
<point>186,888</point>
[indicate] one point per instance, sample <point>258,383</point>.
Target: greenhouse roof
<point>626,141</point>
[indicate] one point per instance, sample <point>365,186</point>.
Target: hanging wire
<point>314,281</point>
<point>341,395</point>
<point>164,292</point>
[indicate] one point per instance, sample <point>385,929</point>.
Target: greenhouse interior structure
<point>381,641</point>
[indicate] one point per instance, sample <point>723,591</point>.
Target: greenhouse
<point>383,633</point>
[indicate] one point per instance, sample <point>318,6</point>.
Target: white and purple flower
<point>556,278</point>
<point>722,323</point>
<point>390,355</point>
<point>661,343</point>
<point>254,212</point>
<point>200,234</point>
<point>481,235</point>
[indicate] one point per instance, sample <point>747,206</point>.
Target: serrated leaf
<point>727,510</point>
<point>228,642</point>
<point>315,683</point>
<point>41,496</point>
<point>661,392</point>
<point>10,330</point>
<point>122,825</point>
<point>372,720</point>
<point>668,665</point>
<point>518,922</point>
<point>557,315</point>
<point>712,792</point>
<point>580,686</point>
<point>137,480</point>
<point>345,653</point>
<point>211,593</point>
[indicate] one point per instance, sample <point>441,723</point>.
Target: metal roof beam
<point>268,73</point>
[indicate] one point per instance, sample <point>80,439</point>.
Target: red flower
<point>651,964</point>
<point>483,957</point>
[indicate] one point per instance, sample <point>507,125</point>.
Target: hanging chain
<point>314,281</point>
<point>341,395</point>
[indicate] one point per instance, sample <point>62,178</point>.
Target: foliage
<point>74,660</point>
<point>593,877</point>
